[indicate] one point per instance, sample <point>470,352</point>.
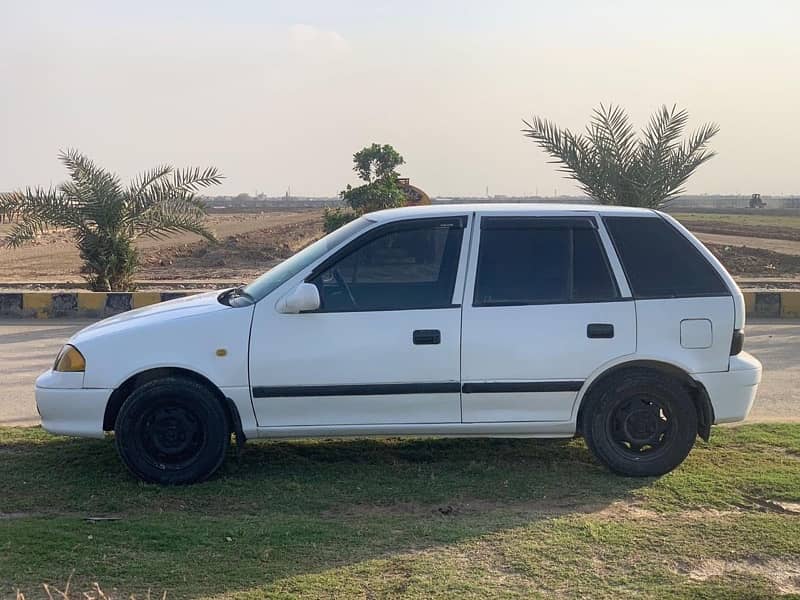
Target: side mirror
<point>304,297</point>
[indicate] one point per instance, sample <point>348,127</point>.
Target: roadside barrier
<point>49,305</point>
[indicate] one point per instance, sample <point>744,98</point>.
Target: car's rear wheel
<point>640,423</point>
<point>172,431</point>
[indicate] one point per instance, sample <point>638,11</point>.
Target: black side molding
<point>380,389</point>
<point>445,387</point>
<point>499,387</point>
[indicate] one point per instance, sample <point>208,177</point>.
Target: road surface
<point>28,347</point>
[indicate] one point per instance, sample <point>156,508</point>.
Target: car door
<point>543,309</point>
<point>384,346</point>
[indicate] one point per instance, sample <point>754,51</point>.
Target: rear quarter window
<point>660,262</point>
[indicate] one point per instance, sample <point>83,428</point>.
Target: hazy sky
<point>280,94</point>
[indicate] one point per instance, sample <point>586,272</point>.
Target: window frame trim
<point>568,222</point>
<point>457,221</point>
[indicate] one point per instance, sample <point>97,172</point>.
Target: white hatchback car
<point>473,320</point>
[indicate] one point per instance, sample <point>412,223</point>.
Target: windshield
<point>283,272</point>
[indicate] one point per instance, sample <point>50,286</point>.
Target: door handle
<point>423,337</point>
<point>600,330</point>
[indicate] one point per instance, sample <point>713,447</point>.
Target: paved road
<point>28,347</point>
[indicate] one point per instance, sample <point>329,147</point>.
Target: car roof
<point>444,210</point>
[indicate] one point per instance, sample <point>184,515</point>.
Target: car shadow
<point>399,495</point>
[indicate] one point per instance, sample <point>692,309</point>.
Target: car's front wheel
<point>172,431</point>
<point>640,423</point>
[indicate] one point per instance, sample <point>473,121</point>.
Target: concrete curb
<point>49,305</point>
<point>784,304</point>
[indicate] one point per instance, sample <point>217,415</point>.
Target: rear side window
<point>660,262</point>
<point>531,260</point>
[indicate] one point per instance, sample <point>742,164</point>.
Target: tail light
<point>737,342</point>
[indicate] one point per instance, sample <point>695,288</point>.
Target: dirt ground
<point>240,256</point>
<point>774,232</point>
<point>250,243</point>
<point>790,247</point>
<point>744,261</point>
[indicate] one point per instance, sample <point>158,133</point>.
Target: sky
<point>279,95</point>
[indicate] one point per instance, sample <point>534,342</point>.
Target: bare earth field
<point>751,246</point>
<point>249,244</point>
<point>754,224</point>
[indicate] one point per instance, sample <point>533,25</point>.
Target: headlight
<point>69,360</point>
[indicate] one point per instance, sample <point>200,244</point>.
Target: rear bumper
<point>732,392</point>
<point>71,411</point>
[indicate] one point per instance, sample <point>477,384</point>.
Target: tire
<point>172,431</point>
<point>640,423</point>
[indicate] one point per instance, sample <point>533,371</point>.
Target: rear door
<point>543,309</point>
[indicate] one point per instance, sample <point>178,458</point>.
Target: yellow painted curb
<point>39,302</point>
<point>140,299</point>
<point>94,301</point>
<point>790,304</point>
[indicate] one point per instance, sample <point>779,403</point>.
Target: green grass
<point>753,219</point>
<point>406,518</point>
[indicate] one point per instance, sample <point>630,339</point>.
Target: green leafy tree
<point>614,165</point>
<point>106,218</point>
<point>376,165</point>
<point>377,162</point>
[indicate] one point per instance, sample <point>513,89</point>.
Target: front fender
<point>193,342</point>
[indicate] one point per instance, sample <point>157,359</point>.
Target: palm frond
<point>148,178</point>
<point>614,166</point>
<point>22,233</point>
<point>561,144</point>
<point>699,139</point>
<point>37,210</point>
<point>194,178</point>
<point>99,192</point>
<point>611,128</point>
<point>172,215</point>
<point>686,160</point>
<point>664,130</point>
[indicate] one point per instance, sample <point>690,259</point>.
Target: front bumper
<point>732,392</point>
<point>70,410</point>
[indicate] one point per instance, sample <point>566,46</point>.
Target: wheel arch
<point>697,391</point>
<point>124,390</point>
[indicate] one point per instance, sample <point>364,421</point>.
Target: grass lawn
<point>406,518</point>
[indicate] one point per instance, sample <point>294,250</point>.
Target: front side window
<point>284,271</point>
<point>533,260</point>
<point>403,266</point>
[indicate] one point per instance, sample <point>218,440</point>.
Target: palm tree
<point>106,218</point>
<point>615,166</point>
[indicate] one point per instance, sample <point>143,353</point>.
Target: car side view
<point>457,320</point>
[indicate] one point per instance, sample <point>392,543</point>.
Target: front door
<point>542,311</point>
<point>385,345</point>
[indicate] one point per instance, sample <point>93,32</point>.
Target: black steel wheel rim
<point>171,434</point>
<point>640,427</point>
